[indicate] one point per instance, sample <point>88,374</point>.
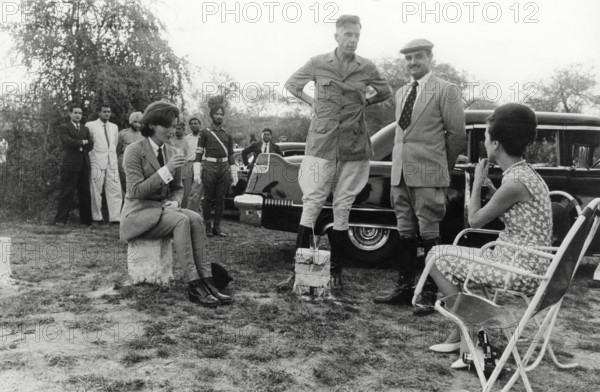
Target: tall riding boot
<point>302,241</point>
<point>406,261</point>
<point>426,300</point>
<point>337,241</point>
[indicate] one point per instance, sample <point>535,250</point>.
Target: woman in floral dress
<point>522,203</point>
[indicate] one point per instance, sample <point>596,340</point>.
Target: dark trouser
<point>74,177</point>
<point>215,177</point>
<point>122,176</point>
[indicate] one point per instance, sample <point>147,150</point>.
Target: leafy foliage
<point>107,51</point>
<point>570,89</point>
<point>91,52</point>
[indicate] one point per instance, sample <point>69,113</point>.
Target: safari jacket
<point>338,130</point>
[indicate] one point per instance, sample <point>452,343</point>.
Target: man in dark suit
<point>264,147</point>
<point>75,174</point>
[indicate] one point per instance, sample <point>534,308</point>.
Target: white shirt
<point>192,145</point>
<point>421,82</point>
<point>163,172</point>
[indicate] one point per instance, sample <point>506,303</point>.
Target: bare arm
<point>509,193</point>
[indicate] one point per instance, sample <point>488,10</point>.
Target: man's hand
<point>170,205</point>
<point>233,174</point>
<point>175,162</point>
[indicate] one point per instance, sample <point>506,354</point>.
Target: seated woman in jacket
<point>522,203</point>
<point>154,193</point>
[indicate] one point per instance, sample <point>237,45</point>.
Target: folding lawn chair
<point>565,208</point>
<point>470,310</point>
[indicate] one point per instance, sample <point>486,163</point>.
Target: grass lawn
<point>65,327</point>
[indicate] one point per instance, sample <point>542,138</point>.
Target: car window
<point>543,152</point>
<point>289,153</point>
<point>584,148</point>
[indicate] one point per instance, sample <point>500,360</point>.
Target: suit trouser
<point>419,210</point>
<point>187,177</point>
<point>319,177</point>
<point>74,177</point>
<point>107,179</point>
<point>215,177</point>
<point>187,229</point>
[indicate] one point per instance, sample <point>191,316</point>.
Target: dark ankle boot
<point>302,241</point>
<point>199,293</point>
<point>425,302</point>
<point>406,260</point>
<point>337,240</point>
<point>212,288</point>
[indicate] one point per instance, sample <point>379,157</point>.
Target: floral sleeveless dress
<point>526,223</point>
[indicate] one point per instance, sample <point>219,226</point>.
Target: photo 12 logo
<point>269,11</point>
<point>23,11</point>
<point>470,11</point>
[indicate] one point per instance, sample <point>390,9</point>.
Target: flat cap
<point>416,44</point>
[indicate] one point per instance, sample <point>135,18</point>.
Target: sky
<point>498,43</point>
<point>501,44</point>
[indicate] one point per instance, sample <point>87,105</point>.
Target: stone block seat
<point>150,260</point>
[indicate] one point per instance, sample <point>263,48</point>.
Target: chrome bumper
<point>248,202</point>
<point>250,207</point>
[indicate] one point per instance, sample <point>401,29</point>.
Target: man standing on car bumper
<point>430,134</point>
<point>338,147</point>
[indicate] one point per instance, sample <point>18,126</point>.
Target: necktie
<point>408,107</point>
<point>265,148</point>
<point>159,157</point>
<point>106,135</point>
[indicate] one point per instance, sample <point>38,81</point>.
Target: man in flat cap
<point>430,134</point>
<point>126,137</point>
<point>338,147</point>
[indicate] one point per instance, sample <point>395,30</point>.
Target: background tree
<point>91,52</point>
<point>105,51</point>
<point>570,89</point>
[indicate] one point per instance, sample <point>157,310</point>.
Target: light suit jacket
<point>427,149</point>
<point>103,155</point>
<point>146,190</point>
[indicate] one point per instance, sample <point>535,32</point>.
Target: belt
<point>217,160</point>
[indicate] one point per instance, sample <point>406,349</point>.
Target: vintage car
<point>566,153</point>
<point>288,149</point>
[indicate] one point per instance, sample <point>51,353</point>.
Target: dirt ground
<point>70,324</point>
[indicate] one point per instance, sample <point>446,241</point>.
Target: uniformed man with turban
<point>126,137</point>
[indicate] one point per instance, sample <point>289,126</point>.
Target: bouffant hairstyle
<point>158,113</point>
<point>513,125</point>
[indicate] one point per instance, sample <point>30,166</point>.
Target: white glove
<point>197,172</point>
<point>234,174</point>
